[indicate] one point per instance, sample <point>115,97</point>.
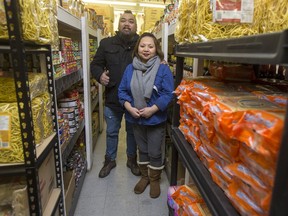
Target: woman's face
<point>146,49</point>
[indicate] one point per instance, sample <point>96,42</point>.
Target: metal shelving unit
<point>77,193</point>
<point>259,49</point>
<point>69,26</point>
<point>67,147</point>
<point>33,156</point>
<point>64,82</point>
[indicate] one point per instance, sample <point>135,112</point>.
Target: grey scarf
<point>142,81</point>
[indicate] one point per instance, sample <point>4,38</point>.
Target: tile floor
<point>113,195</point>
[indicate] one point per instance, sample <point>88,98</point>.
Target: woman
<point>146,91</point>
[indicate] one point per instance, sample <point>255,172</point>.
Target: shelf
<point>66,18</point>
<point>67,147</point>
<point>65,82</point>
<point>77,193</point>
<point>158,35</point>
<point>213,195</point>
<point>172,28</point>
<point>43,149</point>
<point>34,49</point>
<point>51,207</point>
<point>5,48</point>
<point>95,138</point>
<point>94,102</point>
<point>92,32</point>
<point>269,48</point>
<point>12,169</point>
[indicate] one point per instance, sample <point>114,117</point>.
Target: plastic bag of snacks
<point>186,200</point>
<point>3,22</point>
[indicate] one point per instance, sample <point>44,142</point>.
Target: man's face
<point>127,24</point>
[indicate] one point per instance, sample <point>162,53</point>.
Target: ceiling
<point>134,9</point>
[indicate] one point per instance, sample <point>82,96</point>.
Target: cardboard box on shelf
<point>69,188</point>
<point>47,178</point>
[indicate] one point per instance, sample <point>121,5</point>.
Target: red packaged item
<point>237,72</point>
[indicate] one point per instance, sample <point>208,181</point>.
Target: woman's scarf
<point>142,81</point>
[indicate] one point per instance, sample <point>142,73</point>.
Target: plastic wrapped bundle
<point>186,23</point>
<point>3,22</point>
<point>47,120</point>
<point>46,12</point>
<point>275,17</point>
<point>11,149</point>
<point>37,84</point>
<point>30,21</point>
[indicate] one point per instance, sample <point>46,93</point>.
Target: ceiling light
<point>111,2</point>
<point>152,5</point>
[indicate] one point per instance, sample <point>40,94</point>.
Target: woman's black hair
<point>156,42</point>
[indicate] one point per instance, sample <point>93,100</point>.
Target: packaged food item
<point>3,22</point>
<point>242,202</point>
<point>220,176</point>
<point>260,165</point>
<point>225,71</point>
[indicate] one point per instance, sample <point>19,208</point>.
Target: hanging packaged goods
<point>204,20</point>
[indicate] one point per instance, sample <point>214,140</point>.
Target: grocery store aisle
<point>114,195</point>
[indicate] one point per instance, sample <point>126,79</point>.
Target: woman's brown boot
<point>144,181</point>
<point>154,178</point>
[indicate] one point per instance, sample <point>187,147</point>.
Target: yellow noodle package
<point>275,16</point>
<point>30,21</point>
<point>37,86</point>
<point>46,11</point>
<point>3,22</point>
<point>200,20</point>
<point>12,151</point>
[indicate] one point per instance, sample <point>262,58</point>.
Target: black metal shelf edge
<point>12,169</point>
<point>71,142</point>
<point>65,82</point>
<point>77,193</point>
<point>28,47</point>
<point>269,48</point>
<point>213,195</point>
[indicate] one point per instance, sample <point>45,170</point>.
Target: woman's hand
<point>147,112</point>
<point>132,110</point>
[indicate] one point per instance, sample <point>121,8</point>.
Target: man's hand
<point>104,79</point>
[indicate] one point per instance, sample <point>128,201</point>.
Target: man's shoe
<point>132,164</point>
<point>108,166</point>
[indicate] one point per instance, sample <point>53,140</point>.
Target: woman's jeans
<point>113,121</point>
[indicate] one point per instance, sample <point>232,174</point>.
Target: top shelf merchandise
<point>258,49</point>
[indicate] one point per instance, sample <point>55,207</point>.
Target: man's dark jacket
<point>114,54</point>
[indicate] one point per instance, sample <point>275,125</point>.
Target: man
<point>108,66</point>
